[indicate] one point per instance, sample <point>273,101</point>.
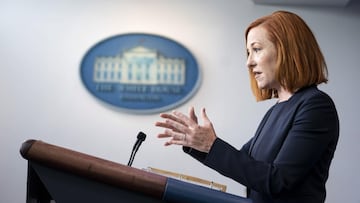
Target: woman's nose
<point>250,63</point>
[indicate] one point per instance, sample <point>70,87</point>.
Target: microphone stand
<point>140,138</point>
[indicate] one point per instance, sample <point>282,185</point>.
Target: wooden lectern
<point>57,174</point>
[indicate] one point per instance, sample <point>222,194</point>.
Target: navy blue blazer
<point>288,159</point>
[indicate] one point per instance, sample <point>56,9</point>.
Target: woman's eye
<point>253,50</point>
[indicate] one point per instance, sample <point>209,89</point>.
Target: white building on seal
<point>140,65</point>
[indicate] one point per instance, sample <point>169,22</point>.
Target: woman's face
<point>262,58</point>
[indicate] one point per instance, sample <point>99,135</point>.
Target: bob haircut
<point>300,62</point>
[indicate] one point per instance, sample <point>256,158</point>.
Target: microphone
<point>140,138</point>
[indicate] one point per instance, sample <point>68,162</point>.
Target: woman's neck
<point>283,94</point>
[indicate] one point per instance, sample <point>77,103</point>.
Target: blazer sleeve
<point>201,156</point>
<point>310,141</point>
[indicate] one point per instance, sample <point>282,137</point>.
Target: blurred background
<point>42,43</point>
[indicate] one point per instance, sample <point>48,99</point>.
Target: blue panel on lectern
<point>177,191</point>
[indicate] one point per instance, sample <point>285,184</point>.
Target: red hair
<point>300,62</point>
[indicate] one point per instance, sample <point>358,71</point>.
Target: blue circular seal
<point>140,73</point>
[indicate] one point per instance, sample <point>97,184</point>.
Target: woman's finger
<point>163,135</point>
<point>188,122</point>
<point>192,114</point>
<point>172,117</point>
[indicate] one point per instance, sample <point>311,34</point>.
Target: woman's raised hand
<point>186,131</point>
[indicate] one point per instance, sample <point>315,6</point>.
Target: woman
<point>288,158</point>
